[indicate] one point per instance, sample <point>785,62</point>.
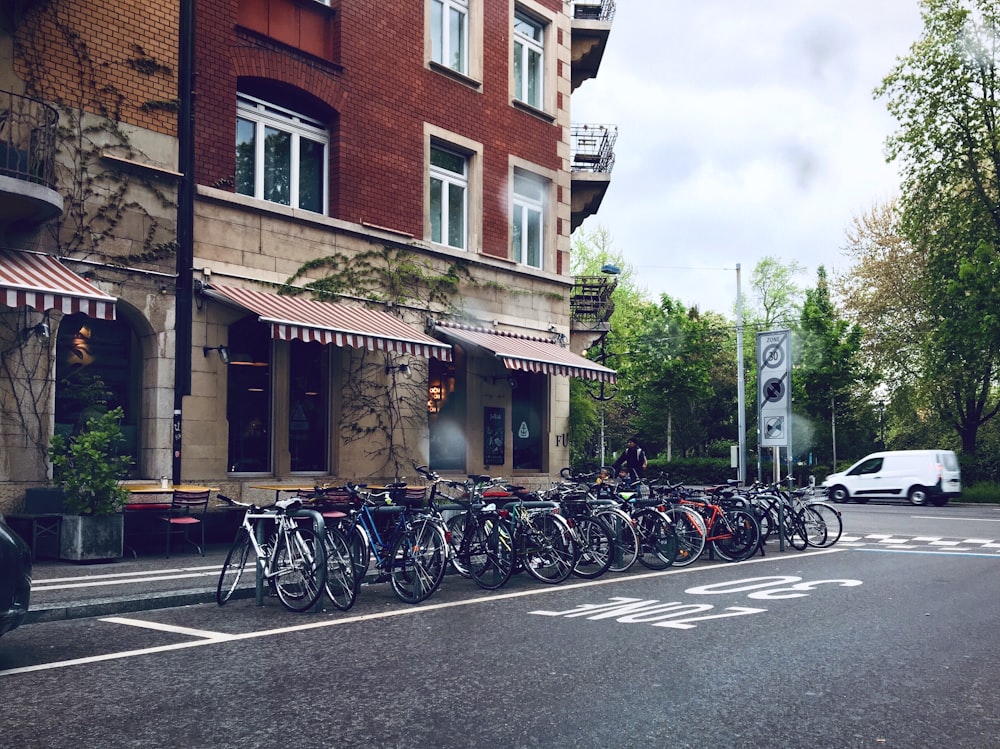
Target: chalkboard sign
<point>494,433</point>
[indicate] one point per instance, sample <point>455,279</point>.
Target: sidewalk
<point>66,590</point>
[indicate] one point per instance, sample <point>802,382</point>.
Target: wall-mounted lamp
<point>223,352</point>
<point>403,369</point>
<point>39,331</point>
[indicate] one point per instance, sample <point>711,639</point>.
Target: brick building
<point>297,240</point>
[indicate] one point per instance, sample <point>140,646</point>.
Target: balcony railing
<point>27,139</point>
<point>593,148</point>
<point>604,10</point>
<point>590,299</point>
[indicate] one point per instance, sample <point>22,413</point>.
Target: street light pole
<point>740,384</point>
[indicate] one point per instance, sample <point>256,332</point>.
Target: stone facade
<point>367,76</point>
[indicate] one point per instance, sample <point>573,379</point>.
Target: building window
<point>308,422</point>
<point>528,415</point>
<point>450,34</point>
<point>529,59</point>
<point>98,368</point>
<point>281,156</point>
<point>527,220</point>
<point>248,397</point>
<point>449,190</point>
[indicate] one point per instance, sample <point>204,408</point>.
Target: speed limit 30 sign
<point>774,399</point>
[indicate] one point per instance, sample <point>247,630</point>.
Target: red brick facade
<point>115,57</point>
<point>379,94</point>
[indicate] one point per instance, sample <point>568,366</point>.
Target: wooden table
<point>279,488</point>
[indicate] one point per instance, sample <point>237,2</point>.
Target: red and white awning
<point>527,353</point>
<point>295,318</point>
<point>39,281</point>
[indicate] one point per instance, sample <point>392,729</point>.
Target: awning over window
<point>528,353</point>
<point>39,281</point>
<point>295,318</point>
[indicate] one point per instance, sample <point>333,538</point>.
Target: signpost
<point>774,401</point>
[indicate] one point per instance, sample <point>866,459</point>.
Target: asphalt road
<point>890,639</point>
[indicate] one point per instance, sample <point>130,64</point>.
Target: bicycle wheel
<point>361,552</point>
<point>658,541</point>
<point>795,528</point>
<point>299,568</point>
<point>741,536</point>
<point>767,516</point>
<point>419,558</point>
<point>597,547</point>
<point>341,588</point>
<point>830,518</point>
<point>232,568</point>
<point>458,527</point>
<point>690,529</point>
<point>547,550</point>
<point>490,553</point>
<point>625,537</point>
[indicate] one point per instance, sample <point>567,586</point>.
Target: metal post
<point>740,384</point>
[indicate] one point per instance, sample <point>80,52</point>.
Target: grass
<point>984,492</point>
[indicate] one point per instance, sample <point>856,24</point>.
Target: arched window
<point>98,368</point>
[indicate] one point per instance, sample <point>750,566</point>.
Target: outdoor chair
<point>187,509</point>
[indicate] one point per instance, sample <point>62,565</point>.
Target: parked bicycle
<point>288,556</point>
<point>731,532</point>
<point>476,543</point>
<point>409,549</point>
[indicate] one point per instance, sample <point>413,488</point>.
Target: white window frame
<point>442,44</point>
<point>450,180</point>
<point>525,206</point>
<point>263,115</point>
<point>524,46</point>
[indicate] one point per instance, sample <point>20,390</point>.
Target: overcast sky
<point>745,129</point>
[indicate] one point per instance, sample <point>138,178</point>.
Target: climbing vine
<point>26,360</point>
<point>110,214</point>
<point>382,405</point>
<point>99,196</point>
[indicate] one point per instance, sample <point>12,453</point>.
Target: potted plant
<point>89,467</point>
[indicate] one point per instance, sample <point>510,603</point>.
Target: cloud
<point>745,130</point>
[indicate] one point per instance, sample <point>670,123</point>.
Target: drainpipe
<point>185,224</point>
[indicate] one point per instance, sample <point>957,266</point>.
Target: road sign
<point>774,400</point>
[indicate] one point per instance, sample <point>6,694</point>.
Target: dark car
<point>15,579</point>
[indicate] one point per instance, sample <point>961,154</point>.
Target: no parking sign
<point>774,385</point>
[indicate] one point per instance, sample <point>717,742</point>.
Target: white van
<point>918,475</point>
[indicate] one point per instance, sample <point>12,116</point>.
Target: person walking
<point>632,461</point>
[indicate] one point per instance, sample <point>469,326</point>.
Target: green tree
<point>945,95</point>
<point>592,251</point>
<point>774,298</point>
<point>682,379</point>
<point>827,377</point>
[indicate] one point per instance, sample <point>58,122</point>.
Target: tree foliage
<point>945,96</point>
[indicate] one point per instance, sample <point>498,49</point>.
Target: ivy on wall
<point>382,407</point>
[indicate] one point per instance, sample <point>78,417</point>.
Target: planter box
<point>86,538</point>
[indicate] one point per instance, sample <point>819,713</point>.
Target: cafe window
<point>308,398</point>
<point>446,412</point>
<point>98,368</point>
<point>528,399</point>
<point>249,397</point>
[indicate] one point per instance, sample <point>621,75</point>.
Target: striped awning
<point>295,318</point>
<point>527,353</point>
<point>39,281</point>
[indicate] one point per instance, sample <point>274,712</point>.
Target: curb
<point>114,606</point>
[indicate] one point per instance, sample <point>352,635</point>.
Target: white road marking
<point>409,611</point>
<point>111,576</point>
<point>44,585</point>
<point>166,628</point>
